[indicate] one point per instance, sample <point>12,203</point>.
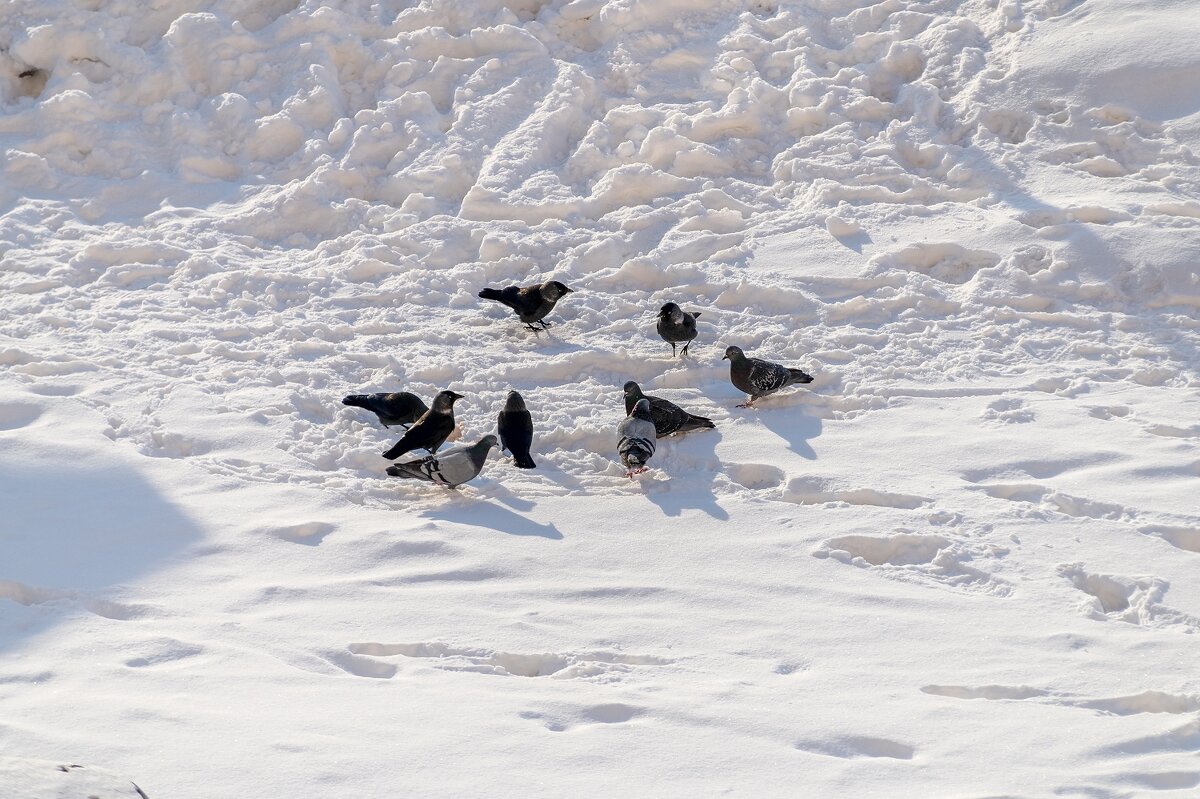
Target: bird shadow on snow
<point>492,516</point>
<point>794,426</point>
<point>695,488</point>
<point>70,533</point>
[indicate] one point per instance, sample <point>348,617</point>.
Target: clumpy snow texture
<point>961,562</point>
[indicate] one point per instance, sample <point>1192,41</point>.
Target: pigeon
<point>636,438</point>
<point>667,416</point>
<point>758,378</point>
<point>431,430</point>
<point>531,303</point>
<point>516,430</point>
<point>401,407</point>
<point>677,325</point>
<point>452,468</point>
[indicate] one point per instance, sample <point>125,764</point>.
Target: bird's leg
<point>545,325</point>
<point>672,349</point>
<point>531,327</point>
<point>747,404</point>
<point>685,348</point>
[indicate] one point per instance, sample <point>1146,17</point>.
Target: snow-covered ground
<point>962,562</point>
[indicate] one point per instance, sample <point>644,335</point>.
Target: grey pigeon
<point>400,407</point>
<point>757,377</point>
<point>676,325</point>
<point>452,468</point>
<point>516,430</point>
<point>431,430</point>
<point>636,438</point>
<point>530,303</point>
<point>667,416</point>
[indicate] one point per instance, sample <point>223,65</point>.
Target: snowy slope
<point>960,563</point>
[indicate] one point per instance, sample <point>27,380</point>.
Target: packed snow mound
<point>309,196</point>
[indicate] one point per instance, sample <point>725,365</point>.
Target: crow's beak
<point>570,291</point>
<point>455,396</point>
<point>724,357</point>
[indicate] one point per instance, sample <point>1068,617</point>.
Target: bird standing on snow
<point>516,430</point>
<point>402,407</point>
<point>676,325</point>
<point>668,417</point>
<point>431,430</point>
<point>757,377</point>
<point>452,468</point>
<point>531,303</point>
<point>636,438</point>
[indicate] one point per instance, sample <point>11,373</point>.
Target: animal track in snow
<point>754,475</point>
<point>943,261</point>
<point>612,713</point>
<point>1163,780</point>
<point>608,713</point>
<point>1056,501</point>
<point>1185,738</point>
<point>1183,537</point>
<point>855,746</point>
<point>816,490</point>
<point>308,533</point>
<point>119,611</point>
<point>14,415</point>
<point>896,550</point>
<point>1109,412</point>
<point>25,594</point>
<point>1171,431</point>
<point>162,651</point>
<point>1135,600</point>
<point>1145,702</point>
<point>1008,410</point>
<point>559,666</point>
<point>912,557</point>
<point>1009,125</point>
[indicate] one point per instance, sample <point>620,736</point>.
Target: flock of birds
<point>648,418</point>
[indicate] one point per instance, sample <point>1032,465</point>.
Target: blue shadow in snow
<point>692,487</point>
<point>491,516</point>
<point>68,533</point>
<point>791,424</point>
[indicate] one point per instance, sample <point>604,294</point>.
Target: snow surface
<point>962,562</point>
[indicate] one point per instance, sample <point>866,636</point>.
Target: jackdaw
<point>400,407</point>
<point>531,303</point>
<point>431,430</point>
<point>676,325</point>
<point>516,430</point>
